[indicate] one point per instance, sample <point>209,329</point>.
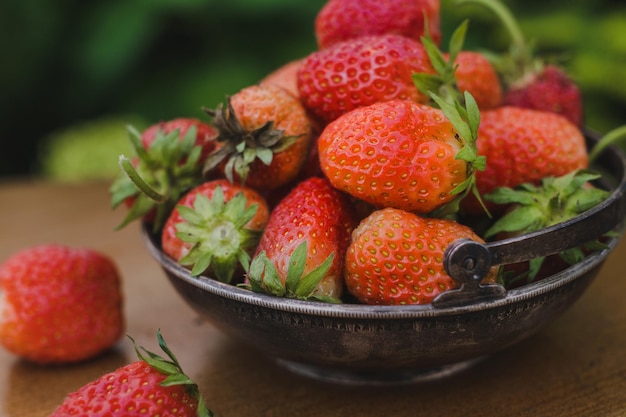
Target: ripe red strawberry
<point>458,72</point>
<point>359,72</point>
<point>523,145</point>
<point>302,248</point>
<point>169,160</point>
<point>529,81</point>
<point>397,154</point>
<point>396,257</point>
<point>151,386</point>
<point>59,304</point>
<point>214,228</point>
<point>264,135</point>
<point>340,20</point>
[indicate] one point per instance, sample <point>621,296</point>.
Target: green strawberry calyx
<point>217,231</point>
<point>535,207</point>
<point>170,367</point>
<point>263,277</point>
<point>159,177</point>
<point>239,147</point>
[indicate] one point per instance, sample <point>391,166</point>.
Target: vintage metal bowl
<point>360,344</point>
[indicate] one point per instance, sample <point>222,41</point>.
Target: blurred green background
<point>74,72</point>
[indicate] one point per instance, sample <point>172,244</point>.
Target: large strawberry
<point>396,257</point>
<point>301,252</point>
<point>340,20</point>
<point>285,76</point>
<point>214,228</point>
<point>523,145</point>
<point>169,160</point>
<point>530,81</point>
<point>359,72</point>
<point>59,304</point>
<point>400,154</point>
<point>151,386</point>
<point>264,137</point>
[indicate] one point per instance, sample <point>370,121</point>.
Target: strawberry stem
<point>143,186</point>
<point>616,135</point>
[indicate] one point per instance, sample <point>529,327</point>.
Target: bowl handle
<point>468,262</point>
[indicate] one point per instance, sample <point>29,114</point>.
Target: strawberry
<point>458,71</point>
<point>340,20</point>
<point>359,72</point>
<point>523,145</point>
<point>59,304</point>
<point>533,207</point>
<point>396,257</point>
<point>169,161</point>
<point>264,137</point>
<point>301,252</point>
<point>530,81</point>
<point>151,386</point>
<point>215,227</point>
<point>400,154</point>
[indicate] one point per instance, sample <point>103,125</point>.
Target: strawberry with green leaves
<point>524,146</point>
<point>459,71</point>
<point>264,138</point>
<point>214,229</point>
<point>532,207</point>
<point>169,160</point>
<point>340,20</point>
<point>60,304</point>
<point>151,386</point>
<point>359,72</point>
<point>529,81</point>
<point>396,257</point>
<point>301,252</point>
<point>404,155</point>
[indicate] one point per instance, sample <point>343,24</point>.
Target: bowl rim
<point>364,311</point>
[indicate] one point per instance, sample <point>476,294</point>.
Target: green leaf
<point>297,262</point>
<point>308,283</point>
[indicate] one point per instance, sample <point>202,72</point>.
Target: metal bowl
<point>373,345</point>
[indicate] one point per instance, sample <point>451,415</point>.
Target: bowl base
<point>355,377</point>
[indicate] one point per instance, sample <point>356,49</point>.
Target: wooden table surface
<point>574,367</point>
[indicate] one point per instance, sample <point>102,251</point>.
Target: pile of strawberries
<point>339,177</point>
<point>344,175</point>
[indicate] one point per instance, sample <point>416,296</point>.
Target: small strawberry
<point>533,207</point>
<point>151,386</point>
<point>458,71</point>
<point>264,137</point>
<point>359,72</point>
<point>530,81</point>
<point>402,154</point>
<point>301,252</point>
<point>340,20</point>
<point>169,160</point>
<point>214,228</point>
<point>396,257</point>
<point>523,145</point>
<point>59,304</point>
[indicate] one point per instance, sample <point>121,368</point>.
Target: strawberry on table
<point>264,139</point>
<point>215,228</point>
<point>340,20</point>
<point>314,222</point>
<point>59,304</point>
<point>396,257</point>
<point>151,386</point>
<point>360,72</point>
<point>169,160</point>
